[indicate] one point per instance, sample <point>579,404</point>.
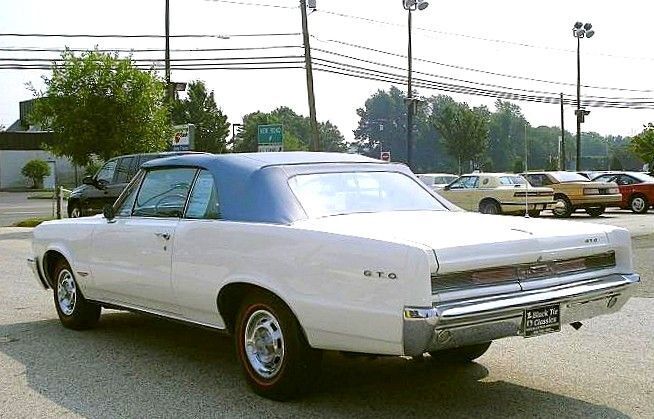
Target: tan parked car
<point>573,191</point>
<point>497,193</point>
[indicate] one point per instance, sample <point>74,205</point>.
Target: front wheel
<point>74,210</point>
<point>462,354</point>
<point>74,311</point>
<point>278,362</point>
<point>595,211</point>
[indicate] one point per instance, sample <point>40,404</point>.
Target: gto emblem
<point>379,274</point>
<point>591,240</point>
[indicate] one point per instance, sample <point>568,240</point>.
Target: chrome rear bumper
<point>470,321</point>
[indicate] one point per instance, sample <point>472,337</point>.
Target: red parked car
<point>637,189</point>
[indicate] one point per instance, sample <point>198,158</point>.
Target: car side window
<point>106,173</point>
<point>164,192</point>
<point>626,180</point>
<point>203,202</point>
<point>465,182</point>
<point>123,169</point>
<point>125,201</point>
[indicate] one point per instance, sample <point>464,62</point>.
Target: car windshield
<point>325,194</point>
<point>444,180</point>
<point>512,180</point>
<point>568,177</point>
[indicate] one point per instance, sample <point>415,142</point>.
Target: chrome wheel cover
<point>66,292</point>
<point>638,204</point>
<point>560,207</point>
<point>264,343</point>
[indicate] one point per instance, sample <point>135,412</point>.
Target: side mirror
<point>446,187</point>
<point>88,180</point>
<point>108,212</point>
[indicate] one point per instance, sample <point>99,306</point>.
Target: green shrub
<point>36,170</point>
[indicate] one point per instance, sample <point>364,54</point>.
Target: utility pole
<point>169,86</point>
<point>315,138</point>
<point>562,164</point>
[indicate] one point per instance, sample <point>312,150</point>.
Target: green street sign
<point>272,134</point>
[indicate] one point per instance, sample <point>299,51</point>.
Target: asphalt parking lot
<point>14,207</point>
<point>137,366</point>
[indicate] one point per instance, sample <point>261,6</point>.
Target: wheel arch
<point>50,259</point>
<point>491,200</point>
<point>231,296</point>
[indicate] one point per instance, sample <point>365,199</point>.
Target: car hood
<point>463,240</point>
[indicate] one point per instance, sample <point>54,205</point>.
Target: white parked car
<point>437,180</point>
<point>296,253</point>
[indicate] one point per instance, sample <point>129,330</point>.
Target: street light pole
<point>169,86</point>
<point>411,102</point>
<point>578,163</point>
<point>409,111</point>
<point>580,30</point>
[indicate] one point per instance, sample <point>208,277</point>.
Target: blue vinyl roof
<point>253,187</point>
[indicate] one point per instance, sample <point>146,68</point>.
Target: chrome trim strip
<point>162,314</point>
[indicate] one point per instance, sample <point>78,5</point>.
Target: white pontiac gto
<point>295,253</point>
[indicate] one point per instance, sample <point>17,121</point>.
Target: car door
<point>95,197</point>
<point>123,173</point>
<point>132,253</point>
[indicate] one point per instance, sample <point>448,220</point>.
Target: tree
<point>199,108</point>
<point>464,130</point>
<point>99,104</point>
<point>643,145</point>
<point>36,170</point>
<point>297,131</point>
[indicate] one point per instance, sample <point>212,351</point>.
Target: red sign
<point>385,156</point>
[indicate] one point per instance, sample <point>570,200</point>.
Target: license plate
<point>541,320</point>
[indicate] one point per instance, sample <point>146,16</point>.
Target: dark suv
<point>103,188</point>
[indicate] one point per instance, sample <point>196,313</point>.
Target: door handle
<point>165,236</point>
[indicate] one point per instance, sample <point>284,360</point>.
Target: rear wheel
<point>462,354</point>
<point>74,311</point>
<point>562,207</point>
<point>595,211</point>
<point>278,362</point>
<point>490,207</point>
<point>638,204</point>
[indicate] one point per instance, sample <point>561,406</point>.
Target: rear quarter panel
<point>319,276</point>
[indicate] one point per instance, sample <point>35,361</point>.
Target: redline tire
<point>257,321</point>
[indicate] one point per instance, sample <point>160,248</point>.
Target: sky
<point>462,34</point>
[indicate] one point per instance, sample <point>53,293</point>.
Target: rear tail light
<point>591,191</point>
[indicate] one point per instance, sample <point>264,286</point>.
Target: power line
<point>476,70</point>
<point>466,81</point>
<point>474,37</point>
<point>60,50</point>
<point>222,36</point>
<point>351,70</point>
<point>243,3</point>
